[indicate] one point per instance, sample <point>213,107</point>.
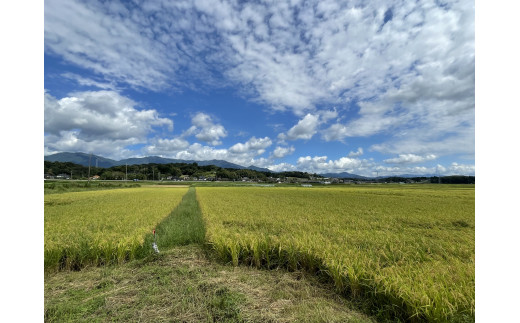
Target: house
<point>63,176</point>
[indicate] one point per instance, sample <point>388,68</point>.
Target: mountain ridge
<point>85,159</point>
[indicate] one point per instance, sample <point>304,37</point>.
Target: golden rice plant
<point>410,249</point>
<point>102,227</point>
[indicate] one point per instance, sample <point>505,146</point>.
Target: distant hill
<point>83,159</point>
<point>219,163</point>
<point>344,175</point>
<point>259,169</point>
<point>149,160</point>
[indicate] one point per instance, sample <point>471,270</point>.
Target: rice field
<point>102,227</point>
<point>409,249</point>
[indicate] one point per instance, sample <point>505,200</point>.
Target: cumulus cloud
<point>335,132</point>
<point>357,153</point>
<point>253,145</point>
<point>459,169</point>
<point>321,164</point>
<point>247,153</point>
<point>165,147</point>
<point>243,157</point>
<point>282,167</point>
<point>410,159</point>
<point>196,151</point>
<point>280,152</point>
<point>204,129</point>
<point>368,168</point>
<point>102,121</point>
<point>326,115</point>
<point>304,129</point>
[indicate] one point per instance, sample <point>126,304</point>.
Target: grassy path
<point>182,285</point>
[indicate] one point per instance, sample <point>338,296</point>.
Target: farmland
<point>101,227</point>
<point>410,249</point>
<point>403,252</point>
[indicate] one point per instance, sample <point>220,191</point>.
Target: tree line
<point>154,171</point>
<point>175,171</point>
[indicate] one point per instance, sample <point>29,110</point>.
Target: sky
<point>374,88</point>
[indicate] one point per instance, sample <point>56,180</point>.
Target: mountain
<point>218,163</point>
<point>150,160</point>
<point>83,159</point>
<point>258,169</point>
<point>343,175</point>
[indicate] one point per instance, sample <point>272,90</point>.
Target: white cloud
<point>321,164</point>
<point>165,147</point>
<point>90,82</point>
<point>67,141</point>
<point>102,121</point>
<point>452,169</point>
<point>357,153</point>
<point>304,129</point>
<point>204,129</point>
<point>197,151</point>
<point>245,153</point>
<point>415,141</point>
<point>107,40</point>
<point>241,153</point>
<point>335,132</point>
<point>460,169</point>
<point>327,115</point>
<point>282,167</point>
<point>410,159</point>
<point>280,152</point>
<point>287,54</point>
<point>366,167</point>
<point>253,145</point>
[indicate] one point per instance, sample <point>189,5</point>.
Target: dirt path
<point>182,284</point>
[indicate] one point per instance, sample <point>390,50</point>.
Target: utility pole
<point>89,159</point>
<point>126,171</point>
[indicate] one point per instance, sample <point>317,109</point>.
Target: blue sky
<point>365,87</point>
